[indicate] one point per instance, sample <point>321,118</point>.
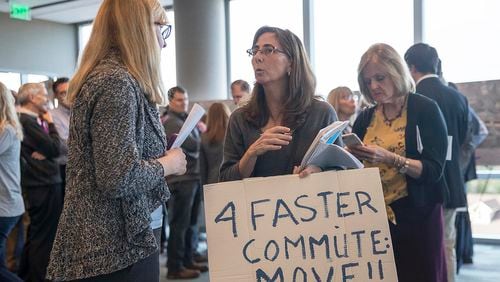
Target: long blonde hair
<point>126,25</point>
<point>335,95</point>
<point>8,114</point>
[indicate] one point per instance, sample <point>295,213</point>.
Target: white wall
<point>38,47</point>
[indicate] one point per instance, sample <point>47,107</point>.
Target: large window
<point>246,17</point>
<point>36,78</point>
<point>466,36</point>
<point>345,29</point>
<point>11,80</point>
<point>83,37</point>
<point>168,64</point>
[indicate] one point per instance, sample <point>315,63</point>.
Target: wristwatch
<point>404,168</point>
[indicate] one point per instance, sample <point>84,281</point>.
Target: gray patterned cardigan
<point>114,182</point>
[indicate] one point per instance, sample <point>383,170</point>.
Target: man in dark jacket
<point>40,179</point>
<point>423,62</point>
<point>184,203</point>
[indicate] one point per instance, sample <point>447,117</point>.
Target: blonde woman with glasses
<point>11,201</point>
<point>118,159</point>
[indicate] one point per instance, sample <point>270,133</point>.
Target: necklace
<point>388,121</point>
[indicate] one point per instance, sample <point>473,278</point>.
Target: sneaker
<point>198,267</point>
<point>183,274</point>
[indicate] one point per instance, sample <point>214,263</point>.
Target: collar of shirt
<point>426,76</point>
<point>23,110</point>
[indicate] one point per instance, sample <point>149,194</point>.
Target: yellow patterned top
<point>389,135</point>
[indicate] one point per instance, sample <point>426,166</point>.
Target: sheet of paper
<point>420,146</point>
<point>193,118</point>
<point>450,147</point>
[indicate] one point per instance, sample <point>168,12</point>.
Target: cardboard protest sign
<point>329,226</point>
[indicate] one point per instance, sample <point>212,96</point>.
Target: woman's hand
<point>173,162</point>
<point>271,140</point>
<point>306,171</point>
<point>372,154</point>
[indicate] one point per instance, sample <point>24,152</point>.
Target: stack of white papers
<point>323,153</point>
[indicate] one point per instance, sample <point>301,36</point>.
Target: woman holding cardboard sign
<point>270,135</point>
<point>405,136</point>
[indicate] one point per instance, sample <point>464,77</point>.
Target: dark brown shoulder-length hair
<point>301,83</point>
<point>217,120</point>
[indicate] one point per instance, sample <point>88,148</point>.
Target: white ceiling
<point>63,11</point>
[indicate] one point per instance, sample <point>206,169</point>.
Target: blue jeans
<point>6,225</point>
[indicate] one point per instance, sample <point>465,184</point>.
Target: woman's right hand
<point>272,139</point>
<point>173,162</point>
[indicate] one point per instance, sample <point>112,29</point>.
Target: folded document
<point>323,153</point>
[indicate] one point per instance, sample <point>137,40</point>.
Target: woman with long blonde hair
<point>110,226</point>
<point>11,201</point>
<point>342,100</point>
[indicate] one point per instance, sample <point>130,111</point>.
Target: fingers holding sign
<point>306,171</point>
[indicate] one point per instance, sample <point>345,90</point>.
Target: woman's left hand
<point>306,171</point>
<point>372,154</point>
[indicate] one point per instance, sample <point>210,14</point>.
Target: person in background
<point>118,159</point>
<point>212,143</point>
<point>405,137</point>
<point>270,135</point>
<point>476,134</point>
<point>11,201</point>
<point>423,62</point>
<point>16,238</point>
<point>61,121</point>
<point>40,179</point>
<point>184,204</point>
<point>240,91</point>
<point>342,100</point>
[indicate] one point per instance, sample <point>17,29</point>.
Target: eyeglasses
<point>267,50</point>
<point>165,30</point>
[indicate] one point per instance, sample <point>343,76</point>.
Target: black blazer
<point>455,109</point>
<point>429,188</point>
<point>39,172</point>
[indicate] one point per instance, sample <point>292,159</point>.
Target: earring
<point>288,73</point>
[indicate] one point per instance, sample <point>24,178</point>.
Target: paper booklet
<point>192,119</point>
<point>323,153</point>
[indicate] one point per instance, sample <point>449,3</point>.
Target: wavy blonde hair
<point>396,69</point>
<point>128,26</point>
<point>334,96</point>
<point>8,114</point>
